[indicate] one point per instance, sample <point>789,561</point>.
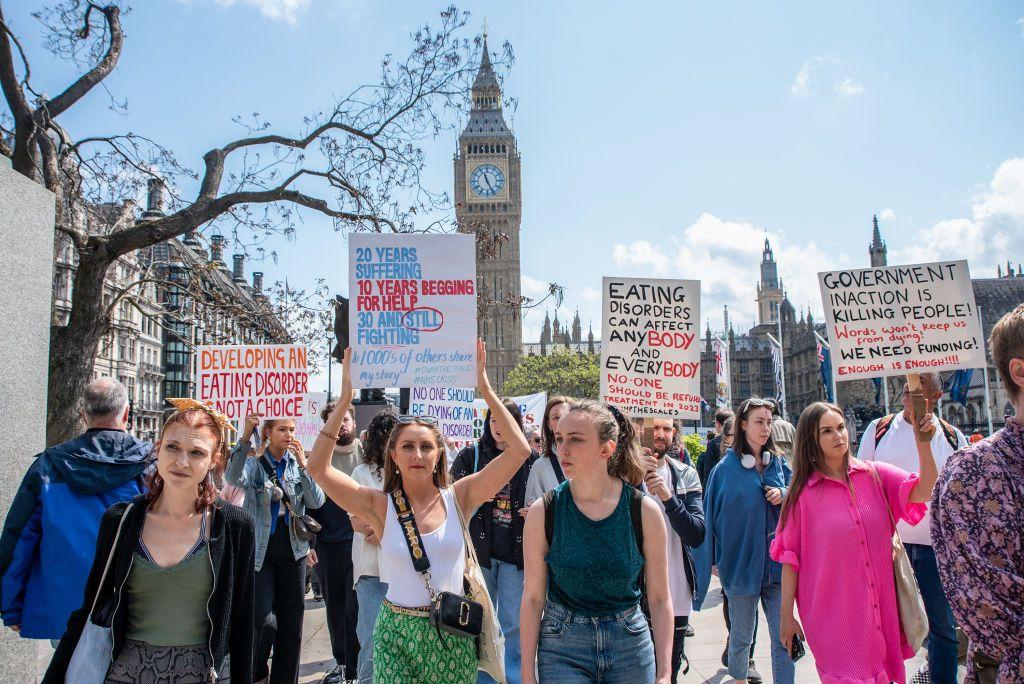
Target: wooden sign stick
<point>920,405</point>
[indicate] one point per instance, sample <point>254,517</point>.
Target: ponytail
<point>626,461</point>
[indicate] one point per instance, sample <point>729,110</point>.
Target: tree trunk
<point>73,349</point>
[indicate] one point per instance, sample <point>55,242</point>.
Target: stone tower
<point>877,248</point>
<point>488,200</point>
<point>769,290</point>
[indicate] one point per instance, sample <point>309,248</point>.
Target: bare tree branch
<point>87,81</point>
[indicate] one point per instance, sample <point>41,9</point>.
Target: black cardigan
<point>233,552</point>
<point>480,525</point>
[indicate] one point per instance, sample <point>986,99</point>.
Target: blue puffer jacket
<point>49,536</point>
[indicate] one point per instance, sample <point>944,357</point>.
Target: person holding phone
<point>277,487</point>
<point>675,486</point>
<point>834,540</point>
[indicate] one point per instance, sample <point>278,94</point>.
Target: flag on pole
<point>959,384</point>
<point>704,405</point>
<point>780,391</point>
<point>723,388</point>
<point>825,363</point>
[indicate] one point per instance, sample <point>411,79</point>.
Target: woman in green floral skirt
<point>406,648</point>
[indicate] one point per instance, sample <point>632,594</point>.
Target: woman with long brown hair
<point>741,508</point>
<point>589,543</point>
<point>178,594</point>
<point>406,648</point>
<point>834,540</point>
<point>546,473</point>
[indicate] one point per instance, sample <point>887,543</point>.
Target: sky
<point>663,139</point>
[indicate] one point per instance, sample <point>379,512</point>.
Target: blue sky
<point>657,139</point>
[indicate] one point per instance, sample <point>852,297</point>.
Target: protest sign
<point>460,416</point>
<point>308,426</point>
<point>412,310</point>
<point>896,320</point>
<point>650,353</point>
<point>268,379</point>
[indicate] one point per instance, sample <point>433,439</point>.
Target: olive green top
<point>168,606</point>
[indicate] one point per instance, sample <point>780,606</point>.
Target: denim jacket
<point>248,475</point>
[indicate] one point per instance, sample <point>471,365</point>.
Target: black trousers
<point>334,571</point>
<point>728,625</point>
<point>678,645</point>
<point>280,604</point>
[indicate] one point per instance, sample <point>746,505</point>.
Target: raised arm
<point>365,502</point>
<point>927,470</point>
<point>535,587</point>
<point>475,489</point>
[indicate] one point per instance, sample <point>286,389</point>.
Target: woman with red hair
<point>173,572</point>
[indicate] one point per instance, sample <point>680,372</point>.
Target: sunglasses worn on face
<point>409,420</point>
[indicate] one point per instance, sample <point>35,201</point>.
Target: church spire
<point>877,249</point>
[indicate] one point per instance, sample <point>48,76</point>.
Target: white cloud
<point>848,87</point>
<point>726,256</point>
<point>887,215</point>
<point>994,230</point>
<point>824,68</point>
<point>1020,22</point>
<point>285,10</point>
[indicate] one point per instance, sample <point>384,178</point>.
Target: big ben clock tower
<point>488,197</point>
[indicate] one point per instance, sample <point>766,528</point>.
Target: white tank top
<point>445,548</point>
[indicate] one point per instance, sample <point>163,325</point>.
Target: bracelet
<point>327,434</point>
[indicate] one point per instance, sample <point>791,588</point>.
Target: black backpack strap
<point>549,515</point>
<point>636,515</point>
<point>636,502</point>
<point>557,467</point>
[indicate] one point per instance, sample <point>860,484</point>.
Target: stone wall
<point>26,284</point>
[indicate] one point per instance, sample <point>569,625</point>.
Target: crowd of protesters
<point>586,543</point>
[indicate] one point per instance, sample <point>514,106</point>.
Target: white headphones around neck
<point>747,461</point>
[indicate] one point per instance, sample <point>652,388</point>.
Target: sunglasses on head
<point>425,420</point>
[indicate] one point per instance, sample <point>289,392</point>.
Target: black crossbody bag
<point>304,527</point>
<point>449,612</point>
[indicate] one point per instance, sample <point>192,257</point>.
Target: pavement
<point>704,650</point>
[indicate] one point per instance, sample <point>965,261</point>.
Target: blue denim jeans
<point>743,616</point>
<point>370,593</point>
<point>576,649</point>
<point>942,641</point>
<point>505,585</point>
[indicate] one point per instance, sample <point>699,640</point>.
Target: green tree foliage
<point>564,372</point>
<point>694,445</point>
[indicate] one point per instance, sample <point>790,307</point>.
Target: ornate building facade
<point>752,372</point>
<point>132,349</point>
<point>488,202</point>
<point>556,337</point>
<point>155,324</point>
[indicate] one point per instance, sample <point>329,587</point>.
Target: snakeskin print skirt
<point>140,663</point>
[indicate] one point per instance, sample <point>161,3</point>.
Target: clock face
<point>487,180</point>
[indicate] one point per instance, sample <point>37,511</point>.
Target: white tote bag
<point>491,642</point>
<point>95,649</point>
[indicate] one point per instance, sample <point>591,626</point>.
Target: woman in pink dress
<point>834,540</point>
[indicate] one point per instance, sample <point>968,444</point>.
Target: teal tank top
<point>593,565</point>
